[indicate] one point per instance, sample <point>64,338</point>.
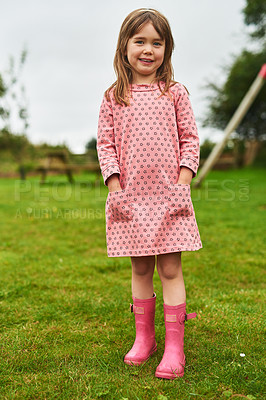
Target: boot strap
<point>136,310</point>
<point>190,316</point>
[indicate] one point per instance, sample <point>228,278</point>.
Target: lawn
<point>65,323</point>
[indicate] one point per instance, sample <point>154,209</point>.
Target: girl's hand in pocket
<point>185,176</point>
<point>113,183</point>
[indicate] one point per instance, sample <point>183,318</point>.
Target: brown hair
<point>131,25</point>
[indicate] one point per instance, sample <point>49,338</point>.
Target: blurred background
<point>57,61</point>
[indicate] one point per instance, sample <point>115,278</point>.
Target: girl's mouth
<point>146,60</point>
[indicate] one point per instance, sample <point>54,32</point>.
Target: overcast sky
<point>71,45</point>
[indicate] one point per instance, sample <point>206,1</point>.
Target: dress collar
<point>135,87</point>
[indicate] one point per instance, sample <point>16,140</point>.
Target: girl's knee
<point>169,267</point>
<point>143,265</point>
<point>168,272</point>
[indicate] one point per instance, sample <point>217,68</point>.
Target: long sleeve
<point>187,131</point>
<point>106,149</point>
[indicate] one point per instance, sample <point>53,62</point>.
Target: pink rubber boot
<point>173,361</point>
<point>145,344</point>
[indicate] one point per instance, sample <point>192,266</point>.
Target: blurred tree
<point>2,87</point>
<point>13,111</point>
<point>2,93</point>
<point>91,149</point>
<point>224,99</point>
<point>91,145</point>
<point>206,148</point>
<point>13,103</point>
<point>255,15</point>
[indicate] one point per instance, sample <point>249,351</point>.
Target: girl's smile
<point>145,53</point>
<point>146,60</point>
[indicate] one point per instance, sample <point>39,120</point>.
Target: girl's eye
<point>157,44</point>
<point>139,41</point>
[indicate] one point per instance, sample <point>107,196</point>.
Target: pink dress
<point>147,143</point>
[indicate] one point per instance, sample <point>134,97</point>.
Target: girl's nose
<point>147,50</point>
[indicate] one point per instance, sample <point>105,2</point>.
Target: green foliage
<point>12,96</point>
<point>65,323</point>
<point>3,111</point>
<point>224,100</point>
<point>91,149</point>
<point>206,148</point>
<point>255,15</point>
<point>14,143</point>
<point>2,88</point>
<point>91,145</point>
<point>17,151</point>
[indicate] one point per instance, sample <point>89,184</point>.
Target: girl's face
<point>145,54</point>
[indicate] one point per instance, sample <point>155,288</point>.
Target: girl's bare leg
<point>170,271</point>
<point>142,276</point>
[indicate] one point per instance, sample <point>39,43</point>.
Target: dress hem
<point>154,252</point>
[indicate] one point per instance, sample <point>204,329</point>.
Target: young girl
<point>148,150</point>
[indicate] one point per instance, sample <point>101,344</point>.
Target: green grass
<point>65,323</point>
